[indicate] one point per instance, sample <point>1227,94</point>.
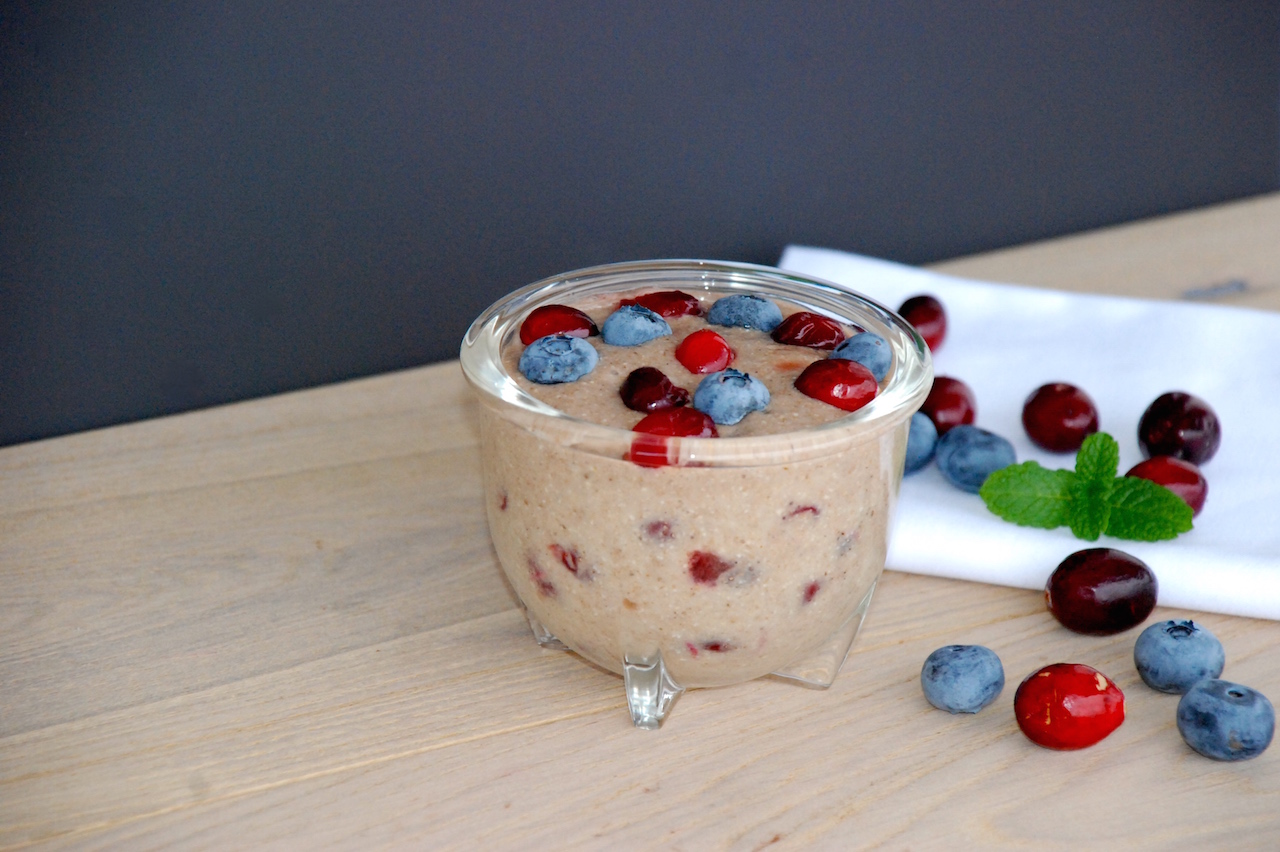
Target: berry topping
<point>1068,706</point>
<point>1179,424</point>
<point>804,328</point>
<point>845,384</point>
<point>950,403</point>
<point>928,317</point>
<point>558,358</point>
<point>1226,721</point>
<point>962,678</point>
<point>705,568</point>
<point>1058,417</point>
<point>869,350</point>
<point>556,319</point>
<point>967,455</point>
<point>1172,656</point>
<point>921,441</point>
<point>730,395</point>
<point>648,389</point>
<point>745,311</point>
<point>650,449</point>
<point>1181,477</point>
<point>631,325</point>
<point>1100,591</point>
<point>668,303</point>
<point>704,351</point>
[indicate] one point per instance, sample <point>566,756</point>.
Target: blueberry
<point>746,312</point>
<point>1173,655</point>
<point>631,325</point>
<point>730,395</point>
<point>557,358</point>
<point>967,455</point>
<point>921,441</point>
<point>869,350</point>
<point>962,678</point>
<point>1226,721</point>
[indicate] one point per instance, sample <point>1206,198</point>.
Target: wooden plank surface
<point>280,623</point>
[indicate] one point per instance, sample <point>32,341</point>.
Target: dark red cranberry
<point>1068,706</point>
<point>648,389</point>
<point>809,329</point>
<point>556,319</point>
<point>950,403</point>
<point>845,384</point>
<point>1180,425</point>
<point>704,351</point>
<point>705,568</point>
<point>928,317</point>
<point>1058,417</point>
<point>1181,477</point>
<point>650,449</point>
<point>668,303</point>
<point>1100,591</point>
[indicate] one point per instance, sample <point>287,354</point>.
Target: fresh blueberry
<point>745,311</point>
<point>730,395</point>
<point>869,350</point>
<point>921,441</point>
<point>1226,721</point>
<point>967,455</point>
<point>631,325</point>
<point>1173,655</point>
<point>557,358</point>
<point>962,678</point>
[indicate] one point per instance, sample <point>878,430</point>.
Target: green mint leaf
<point>1029,495</point>
<point>1098,459</point>
<point>1141,510</point>
<point>1096,464</point>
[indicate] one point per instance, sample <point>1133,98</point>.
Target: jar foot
<point>820,668</point>
<point>650,690</point>
<point>542,635</point>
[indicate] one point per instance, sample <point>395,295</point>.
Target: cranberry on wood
<point>1100,591</point>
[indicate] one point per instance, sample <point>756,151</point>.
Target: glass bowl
<point>742,557</point>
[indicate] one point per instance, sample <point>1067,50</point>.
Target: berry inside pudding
<point>694,504</point>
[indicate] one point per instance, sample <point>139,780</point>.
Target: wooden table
<point>281,623</point>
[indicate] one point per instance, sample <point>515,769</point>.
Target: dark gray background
<point>201,202</point>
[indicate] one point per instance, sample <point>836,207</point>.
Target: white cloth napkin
<point>1005,341</point>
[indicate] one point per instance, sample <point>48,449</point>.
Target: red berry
<point>928,317</point>
<point>845,384</point>
<point>1058,417</point>
<point>1181,425</point>
<point>556,319</point>
<point>809,329</point>
<point>668,303</point>
<point>648,389</point>
<point>651,448</point>
<point>950,403</point>
<point>1068,706</point>
<point>704,351</point>
<point>1101,591</point>
<point>705,568</point>
<point>1181,477</point>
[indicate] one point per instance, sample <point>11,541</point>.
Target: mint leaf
<point>1089,509</point>
<point>1141,510</point>
<point>1029,495</point>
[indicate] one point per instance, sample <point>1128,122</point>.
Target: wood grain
<point>280,623</point>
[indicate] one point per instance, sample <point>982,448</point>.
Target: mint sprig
<point>1091,500</point>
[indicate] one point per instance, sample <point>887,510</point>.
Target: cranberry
<point>809,329</point>
<point>704,351</point>
<point>928,317</point>
<point>1068,706</point>
<point>668,303</point>
<point>556,319</point>
<point>648,389</point>
<point>845,384</point>
<point>1181,425</point>
<point>650,449</point>
<point>1181,477</point>
<point>1058,417</point>
<point>705,568</point>
<point>950,403</point>
<point>1100,591</point>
